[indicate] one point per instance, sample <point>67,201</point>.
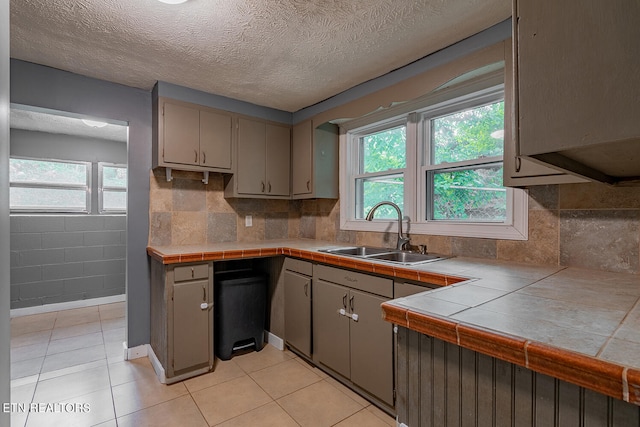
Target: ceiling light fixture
<point>94,123</point>
<point>172,1</point>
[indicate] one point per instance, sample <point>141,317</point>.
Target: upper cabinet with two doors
<point>263,160</point>
<point>192,137</point>
<point>576,70</point>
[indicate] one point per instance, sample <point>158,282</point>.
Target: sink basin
<point>406,257</point>
<point>359,251</point>
<point>383,254</point>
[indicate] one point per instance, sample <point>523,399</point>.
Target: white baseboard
<point>48,308</point>
<point>136,352</point>
<point>157,366</point>
<point>274,340</point>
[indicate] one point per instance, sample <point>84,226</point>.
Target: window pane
<point>470,194</point>
<point>468,134</point>
<point>384,150</point>
<point>55,199</point>
<point>114,200</point>
<point>113,176</point>
<point>43,171</point>
<point>373,190</point>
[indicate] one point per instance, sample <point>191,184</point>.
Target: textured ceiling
<point>285,54</point>
<point>52,123</point>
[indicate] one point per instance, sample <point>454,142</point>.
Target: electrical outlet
<point>248,221</point>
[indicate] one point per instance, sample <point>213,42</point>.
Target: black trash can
<point>240,310</point>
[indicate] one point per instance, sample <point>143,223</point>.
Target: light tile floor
<point>75,357</point>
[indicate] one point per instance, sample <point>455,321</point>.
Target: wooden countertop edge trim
<point>311,255</point>
<point>595,374</point>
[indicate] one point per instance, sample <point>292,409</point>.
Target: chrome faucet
<point>402,239</point>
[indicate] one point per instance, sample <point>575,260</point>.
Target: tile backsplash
<point>582,225</point>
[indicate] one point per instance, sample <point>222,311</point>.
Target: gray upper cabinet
<point>520,171</point>
<point>315,161</point>
<point>264,160</point>
<point>192,137</point>
<point>577,77</point>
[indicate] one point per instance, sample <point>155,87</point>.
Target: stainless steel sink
<point>359,251</point>
<point>386,255</point>
<point>406,257</point>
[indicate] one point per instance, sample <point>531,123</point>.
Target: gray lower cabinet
<point>349,335</point>
<point>297,305</point>
<point>182,319</point>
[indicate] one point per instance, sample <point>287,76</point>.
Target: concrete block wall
<point>60,258</point>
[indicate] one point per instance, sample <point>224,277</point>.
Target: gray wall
<point>66,258</point>
<point>185,94</point>
<point>60,258</point>
<point>5,333</point>
<point>491,35</point>
<point>40,86</point>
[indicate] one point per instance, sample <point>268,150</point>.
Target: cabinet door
<point>330,328</point>
<point>520,171</point>
<point>191,326</point>
<point>278,160</point>
<point>371,346</point>
<point>297,311</point>
<point>215,140</point>
<point>302,161</point>
<point>578,81</point>
<point>251,152</point>
<point>181,135</point>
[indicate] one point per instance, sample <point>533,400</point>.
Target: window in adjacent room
<point>49,186</point>
<point>112,188</point>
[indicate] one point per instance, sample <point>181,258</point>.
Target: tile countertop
<point>580,326</point>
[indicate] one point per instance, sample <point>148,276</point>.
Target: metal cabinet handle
<point>344,301</point>
<point>192,273</point>
<point>269,184</point>
<point>204,293</point>
<point>518,164</point>
<point>196,154</point>
<point>262,182</point>
<point>204,157</point>
<point>306,289</point>
<point>308,185</point>
<point>351,303</point>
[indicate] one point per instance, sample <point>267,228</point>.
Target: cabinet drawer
<point>190,272</point>
<point>363,282</point>
<point>299,266</point>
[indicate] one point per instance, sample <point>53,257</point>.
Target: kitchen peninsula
<point>539,328</point>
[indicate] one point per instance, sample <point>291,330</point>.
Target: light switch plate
<point>248,221</point>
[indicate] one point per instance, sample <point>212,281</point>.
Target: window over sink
<point>440,158</point>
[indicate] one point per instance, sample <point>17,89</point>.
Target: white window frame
<point>44,185</point>
<point>102,188</point>
<point>491,86</point>
<point>363,132</point>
